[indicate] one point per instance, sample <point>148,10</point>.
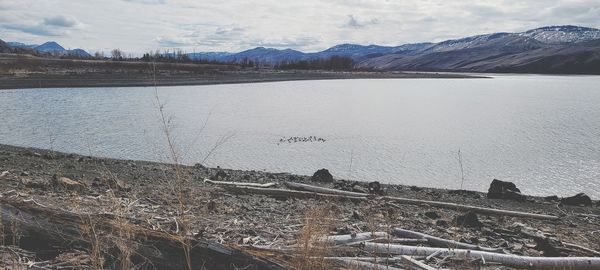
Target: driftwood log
<point>355,263</point>
<point>572,263</point>
<point>49,232</point>
<point>346,239</point>
<point>441,242</point>
<point>305,187</point>
<point>285,193</point>
<point>240,184</point>
<point>482,210</point>
<point>320,192</point>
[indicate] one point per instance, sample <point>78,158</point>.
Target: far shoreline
<point>85,80</point>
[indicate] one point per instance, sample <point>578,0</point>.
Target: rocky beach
<point>270,219</point>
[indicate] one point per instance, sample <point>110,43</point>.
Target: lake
<point>541,132</point>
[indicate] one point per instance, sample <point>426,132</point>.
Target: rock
<point>549,246</point>
<point>220,175</point>
<point>504,190</point>
<point>441,223</point>
<point>24,173</point>
<point>68,184</point>
<point>432,215</point>
<point>36,184</point>
<point>211,206</point>
<point>322,176</point>
<point>469,220</point>
<point>579,199</point>
<point>552,198</point>
<point>375,188</point>
<point>415,188</point>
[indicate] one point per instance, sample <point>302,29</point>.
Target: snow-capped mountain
<point>554,49</point>
<point>562,34</point>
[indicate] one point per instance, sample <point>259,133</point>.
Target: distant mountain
<point>550,49</point>
<point>79,53</point>
<point>270,56</point>
<point>21,45</point>
<point>4,48</point>
<point>209,56</point>
<point>554,49</point>
<point>563,34</point>
<point>50,47</point>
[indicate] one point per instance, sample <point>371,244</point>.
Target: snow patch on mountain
<point>563,34</point>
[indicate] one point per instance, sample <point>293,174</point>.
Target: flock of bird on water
<point>296,139</point>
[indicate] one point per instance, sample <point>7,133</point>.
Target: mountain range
<point>50,47</point>
<point>552,49</point>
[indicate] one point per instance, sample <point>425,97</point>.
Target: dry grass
<point>318,223</point>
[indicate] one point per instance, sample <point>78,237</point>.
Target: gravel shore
<point>276,223</point>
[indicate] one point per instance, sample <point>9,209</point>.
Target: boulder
<point>579,199</point>
<point>322,176</point>
<point>469,219</point>
<point>432,215</point>
<point>220,175</point>
<point>375,188</point>
<point>504,190</point>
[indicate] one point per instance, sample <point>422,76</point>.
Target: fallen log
<point>483,210</point>
<point>49,232</point>
<point>417,264</point>
<point>305,187</point>
<point>306,194</point>
<point>240,184</point>
<point>572,263</point>
<point>284,193</point>
<point>356,263</point>
<point>347,239</point>
<point>441,242</point>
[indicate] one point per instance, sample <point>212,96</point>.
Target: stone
<point>375,188</point>
<point>322,176</point>
<point>432,215</point>
<point>441,223</point>
<point>469,219</point>
<point>220,175</point>
<point>579,199</point>
<point>504,190</point>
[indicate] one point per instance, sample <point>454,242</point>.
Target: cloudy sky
<point>309,25</point>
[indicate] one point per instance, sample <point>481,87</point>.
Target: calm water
<point>541,132</point>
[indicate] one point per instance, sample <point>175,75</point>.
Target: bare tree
<point>117,54</point>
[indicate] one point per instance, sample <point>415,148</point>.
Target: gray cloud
<point>308,25</point>
<point>38,30</point>
<point>61,21</point>
<point>354,22</point>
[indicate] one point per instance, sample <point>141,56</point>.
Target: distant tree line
<point>338,63</point>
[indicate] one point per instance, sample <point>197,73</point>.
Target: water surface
<point>541,132</point>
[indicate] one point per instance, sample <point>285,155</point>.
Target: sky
<point>137,26</point>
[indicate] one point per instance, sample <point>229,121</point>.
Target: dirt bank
<point>23,71</point>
